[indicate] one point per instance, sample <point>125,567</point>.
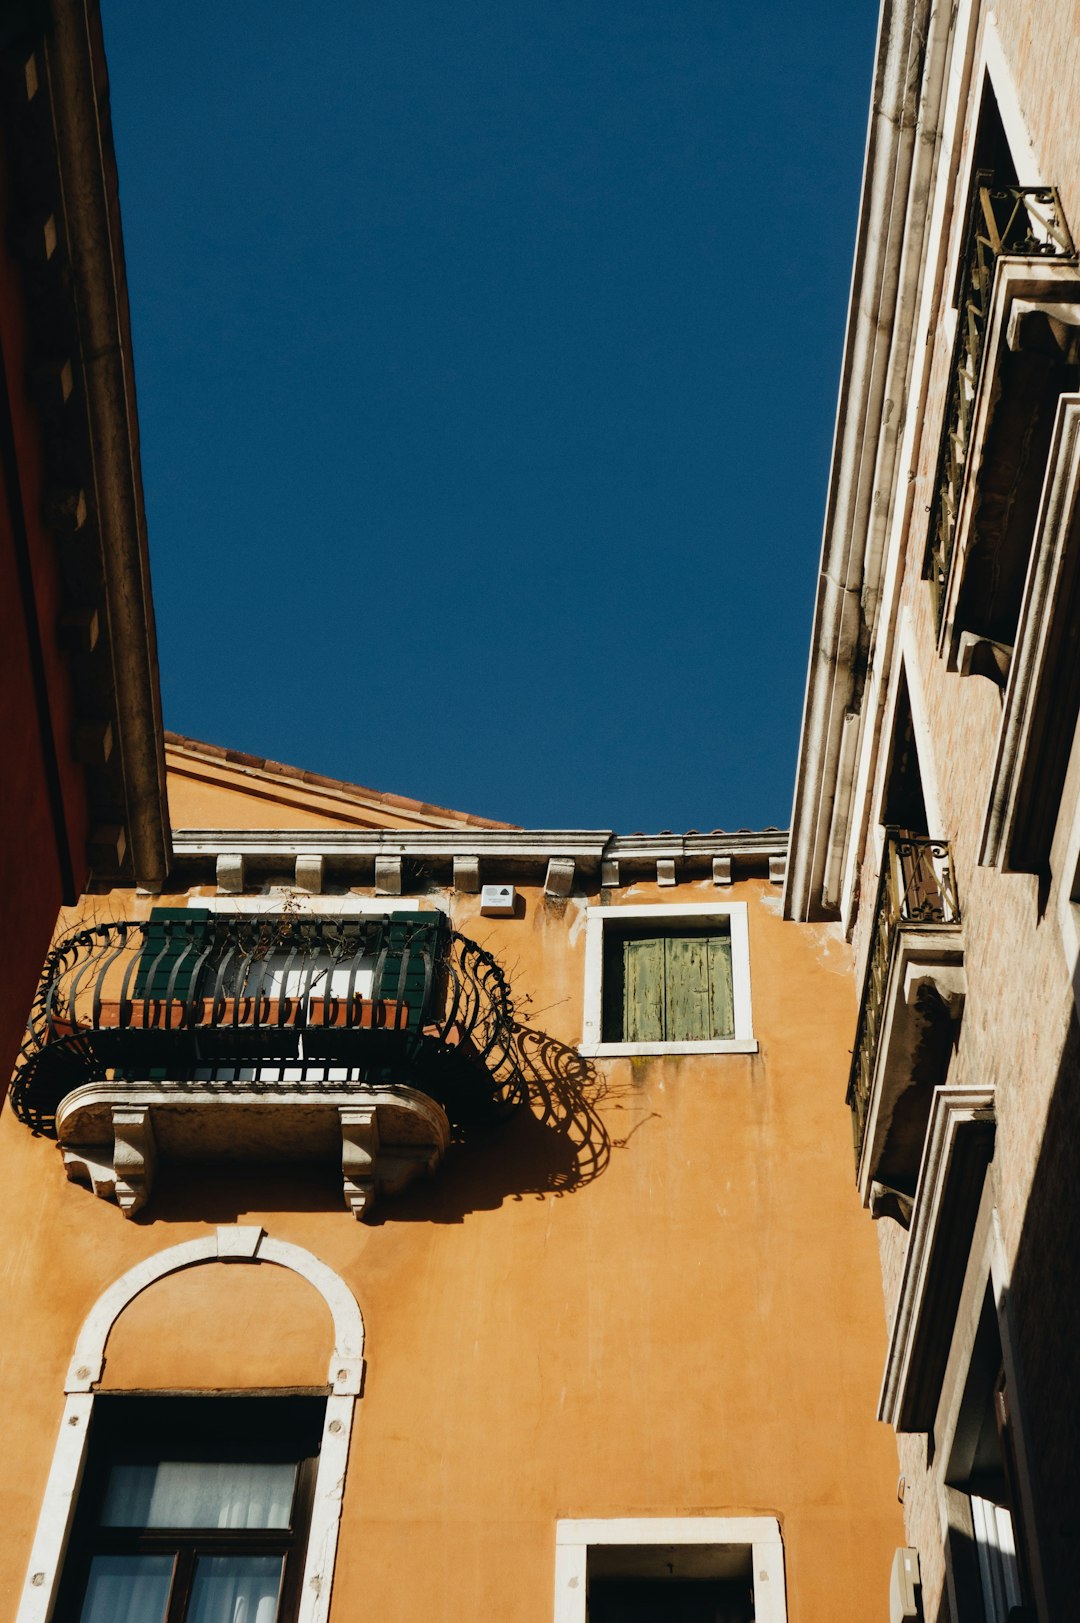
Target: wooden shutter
<point>644,996</point>
<point>163,949</point>
<point>672,986</point>
<point>721,995</point>
<point>416,939</point>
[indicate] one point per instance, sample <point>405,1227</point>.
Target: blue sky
<point>487,358</point>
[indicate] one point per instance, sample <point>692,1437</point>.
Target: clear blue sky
<point>487,358</point>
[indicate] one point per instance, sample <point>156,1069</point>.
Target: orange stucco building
<point>615,1332</point>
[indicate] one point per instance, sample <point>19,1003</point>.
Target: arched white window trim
<point>236,1243</point>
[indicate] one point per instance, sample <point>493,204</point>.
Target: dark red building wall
<point>43,803</point>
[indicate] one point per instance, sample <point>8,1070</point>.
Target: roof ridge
<point>278,770</point>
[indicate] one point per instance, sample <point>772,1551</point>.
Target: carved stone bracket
<point>359,1155</point>
<point>134,1157</point>
<point>112,1136</point>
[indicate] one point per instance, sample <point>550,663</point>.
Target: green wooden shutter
<point>672,986</point>
<point>643,990</point>
<point>686,989</point>
<point>425,942</point>
<point>721,996</point>
<point>163,948</point>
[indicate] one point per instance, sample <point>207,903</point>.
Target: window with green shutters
<point>668,985</point>
<point>667,978</point>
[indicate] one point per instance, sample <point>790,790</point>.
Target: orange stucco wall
<point>652,1292</point>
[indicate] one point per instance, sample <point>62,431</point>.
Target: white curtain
<point>235,1589</point>
<point>190,1493</point>
<point>129,1589</point>
<point>999,1570</point>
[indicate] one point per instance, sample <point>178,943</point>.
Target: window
<point>995,1585</point>
<point>667,980</point>
<point>680,1569</point>
<point>193,1510</point>
<point>668,985</point>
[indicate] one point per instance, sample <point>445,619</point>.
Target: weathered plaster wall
<point>651,1292</point>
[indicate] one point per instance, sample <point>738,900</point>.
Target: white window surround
<point>761,1534</point>
<point>234,1244</point>
<point>733,914</point>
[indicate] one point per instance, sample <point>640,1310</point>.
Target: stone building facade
<point>937,810</point>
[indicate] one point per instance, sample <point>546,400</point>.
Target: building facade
<point>937,810</point>
<point>604,1340</point>
<point>80,714</point>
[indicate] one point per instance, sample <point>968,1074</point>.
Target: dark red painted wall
<point>43,806</point>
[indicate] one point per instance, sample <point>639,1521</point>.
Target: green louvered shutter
<point>422,942</point>
<point>162,949</point>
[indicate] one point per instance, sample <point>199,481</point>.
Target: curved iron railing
<point>916,887</point>
<point>210,1000</point>
<point>1023,221</point>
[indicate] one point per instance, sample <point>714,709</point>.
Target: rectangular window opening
<point>193,1510</point>
<point>665,984</point>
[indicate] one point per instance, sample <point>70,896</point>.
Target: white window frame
<point>238,1244</point>
<point>760,1534</point>
<point>663,915</point>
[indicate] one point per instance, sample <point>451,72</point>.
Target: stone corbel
<point>888,1202</point>
<point>947,980</point>
<point>1046,327</point>
<point>467,875</point>
<point>359,1154</point>
<point>560,877</point>
<point>134,1157</point>
<point>981,656</point>
<point>310,873</point>
<point>388,876</point>
<point>84,1165</point>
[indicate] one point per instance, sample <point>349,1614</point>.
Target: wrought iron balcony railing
<point>209,1000</point>
<point>916,889</point>
<point>1021,221</point>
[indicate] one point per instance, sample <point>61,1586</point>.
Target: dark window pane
<point>127,1589</point>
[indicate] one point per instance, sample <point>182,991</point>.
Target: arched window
<point>195,1508</point>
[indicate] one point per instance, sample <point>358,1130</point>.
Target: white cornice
<point>587,846</point>
<point>902,148</point>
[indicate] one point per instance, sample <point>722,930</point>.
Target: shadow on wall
<point>554,1142</point>
<point>1045,1319</point>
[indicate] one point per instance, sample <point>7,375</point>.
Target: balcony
<point>1015,334</point>
<point>912,1001</point>
<point>199,1036</point>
